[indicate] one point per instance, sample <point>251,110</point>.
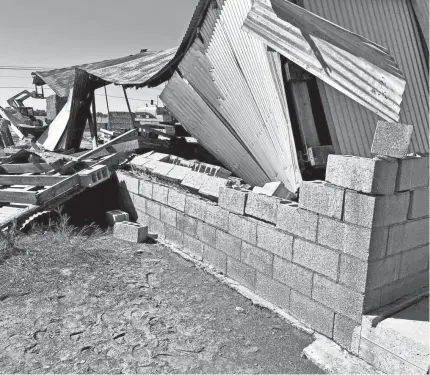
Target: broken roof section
<point>353,65</point>
<point>130,71</point>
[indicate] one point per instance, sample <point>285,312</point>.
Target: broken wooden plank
<point>30,180</point>
<point>318,155</point>
<point>56,190</point>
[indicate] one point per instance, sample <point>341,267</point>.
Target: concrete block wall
<point>337,253</point>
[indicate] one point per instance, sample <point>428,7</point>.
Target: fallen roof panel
<point>346,61</point>
<point>134,70</point>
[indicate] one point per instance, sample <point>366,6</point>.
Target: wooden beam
<point>25,168</point>
<point>28,197</point>
<point>56,190</point>
<point>93,107</point>
<point>128,106</point>
<point>30,180</point>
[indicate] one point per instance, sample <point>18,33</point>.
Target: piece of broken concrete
<point>392,139</point>
<point>274,189</point>
<point>116,216</point>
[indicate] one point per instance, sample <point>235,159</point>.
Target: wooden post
<point>129,109</point>
<point>107,106</point>
<point>94,135</point>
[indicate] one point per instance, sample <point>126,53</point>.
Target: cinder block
<point>273,291</point>
<point>195,207</point>
<point>142,218</point>
<point>414,261</point>
<point>186,224</point>
<point>419,204</point>
<point>194,247</point>
<point>156,226</point>
<point>131,232</point>
<point>242,273</point>
<point>178,173</point>
<point>413,173</point>
<point>375,211</point>
<point>145,188</point>
<point>322,198</point>
<point>372,176</point>
<point>312,313</point>
<point>296,221</point>
<point>274,189</point>
<point>194,181</point>
<point>383,272</point>
<point>292,275</point>
<point>372,300</point>
<point>206,233</point>
<point>176,199</point>
<point>360,242</point>
<point>275,241</point>
<point>344,330</point>
<point>339,298</point>
<point>233,200</point>
<point>162,169</point>
<point>211,185</point>
<point>215,258</point>
<point>216,216</point>
<point>128,182</point>
<point>243,228</point>
<point>257,258</point>
<point>228,244</point>
<point>353,272</point>
<point>316,258</point>
<point>404,287</point>
<point>160,193</point>
<point>94,175</point>
<point>116,216</point>
<point>139,203</point>
<point>174,235</point>
<point>262,207</point>
<point>408,236</point>
<point>168,215</point>
<point>153,209</point>
<point>391,139</point>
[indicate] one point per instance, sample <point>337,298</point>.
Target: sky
<point>61,33</point>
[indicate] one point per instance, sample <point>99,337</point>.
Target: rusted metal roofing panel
<point>391,23</point>
<point>421,8</point>
<point>134,70</point>
<point>348,62</point>
<point>201,122</point>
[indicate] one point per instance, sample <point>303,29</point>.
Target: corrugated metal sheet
<point>390,23</point>
<point>201,122</point>
<point>421,8</point>
<point>351,64</point>
<point>134,70</point>
<point>241,81</point>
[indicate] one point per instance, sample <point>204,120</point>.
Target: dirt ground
<point>100,305</point>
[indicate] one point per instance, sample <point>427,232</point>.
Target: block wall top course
<point>262,207</point>
<point>372,176</point>
<point>413,172</point>
<point>233,200</point>
<point>392,139</point>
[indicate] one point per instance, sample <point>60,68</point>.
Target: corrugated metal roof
<point>202,123</point>
<point>421,8</point>
<point>134,70</point>
<point>391,23</point>
<point>348,62</point>
<point>198,18</point>
<point>237,77</point>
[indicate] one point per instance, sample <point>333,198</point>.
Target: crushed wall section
<point>335,255</point>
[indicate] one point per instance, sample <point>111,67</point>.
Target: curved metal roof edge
<point>165,73</point>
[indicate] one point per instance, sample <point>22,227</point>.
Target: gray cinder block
<point>128,182</point>
<point>241,273</point>
<point>296,277</point>
<point>217,216</point>
<point>215,258</point>
<point>176,200</point>
<point>131,232</point>
<point>257,258</point>
<point>413,172</point>
<point>322,198</point>
<point>392,139</point>
<point>116,216</point>
<point>262,207</point>
<point>419,204</point>
<point>297,221</point>
<point>243,228</point>
<point>372,176</point>
<point>160,193</point>
<point>275,241</point>
<point>273,291</point>
<point>233,200</point>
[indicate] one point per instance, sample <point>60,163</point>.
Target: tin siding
<point>390,23</point>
